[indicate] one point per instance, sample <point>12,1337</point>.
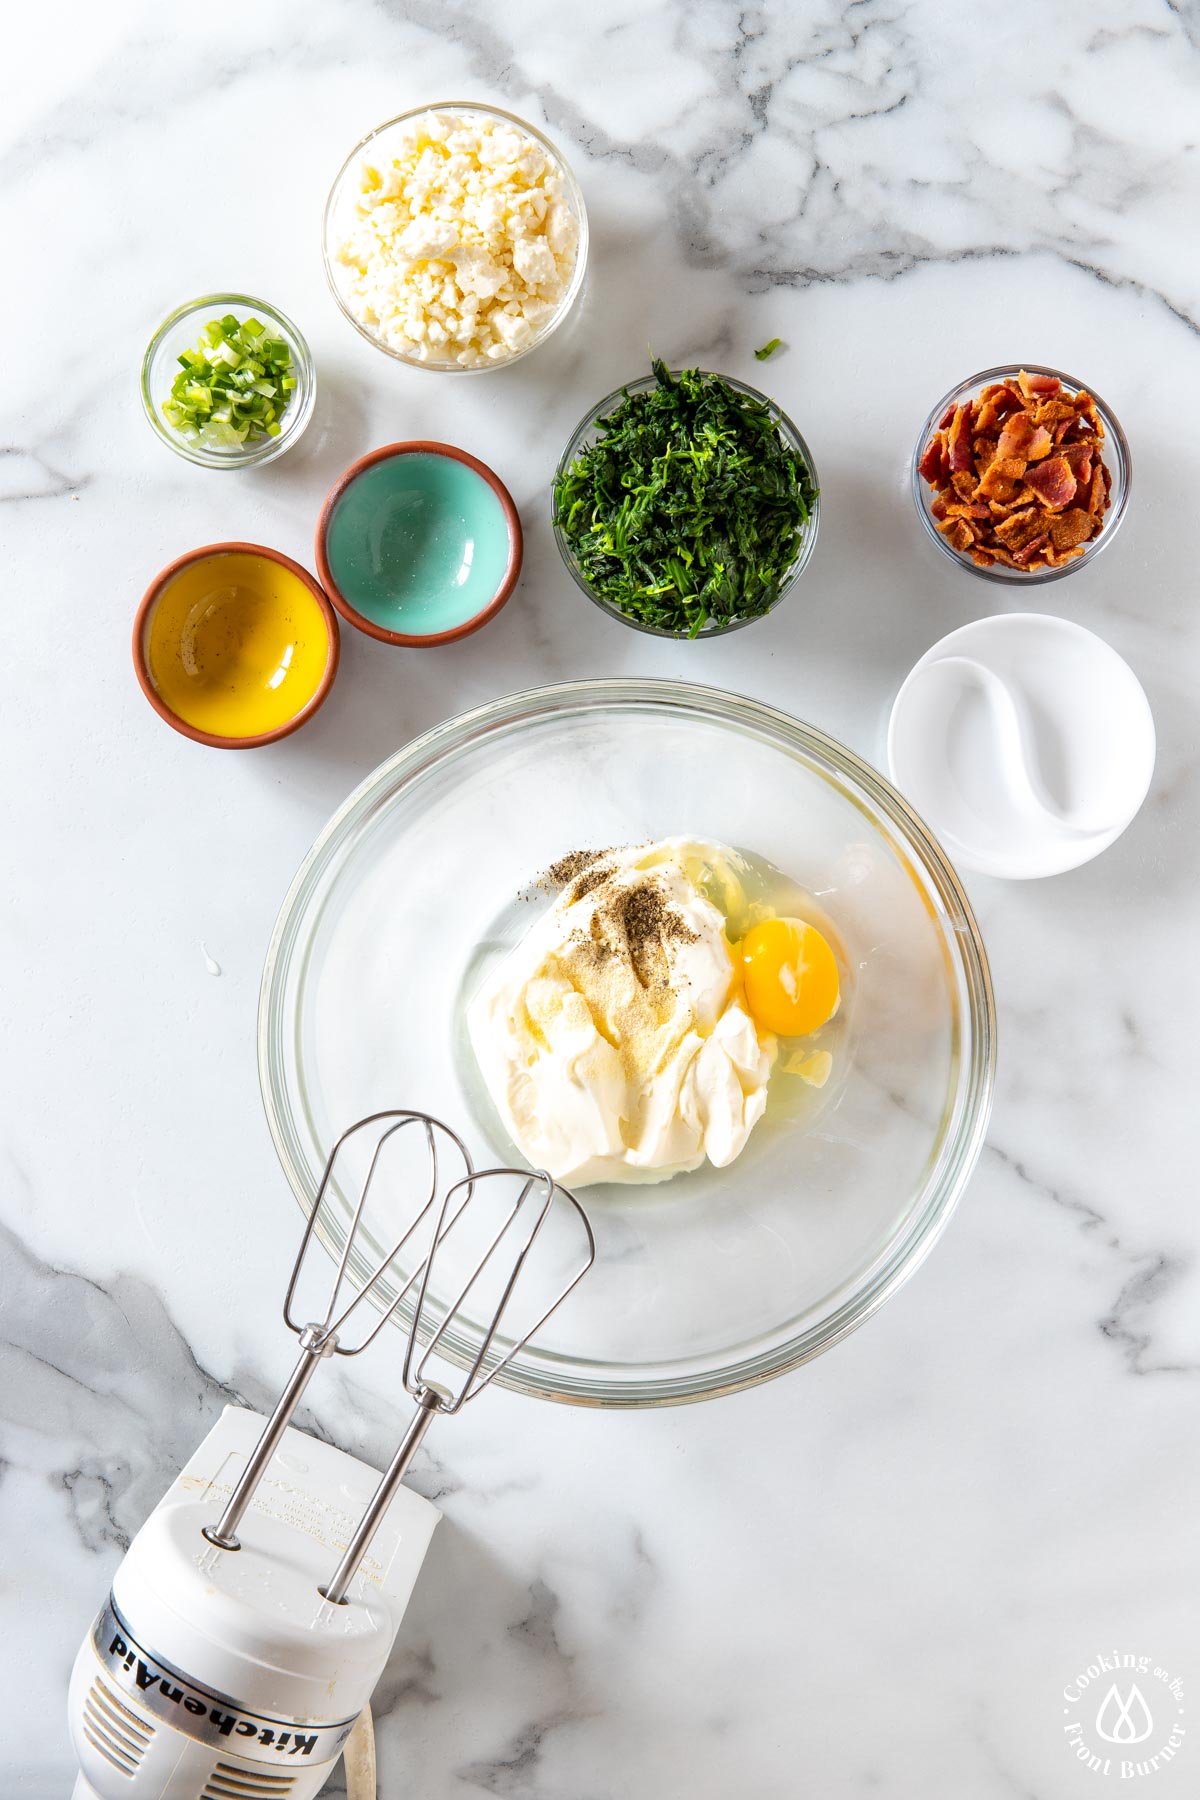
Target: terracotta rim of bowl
<point>141,667</point>
<point>508,581</point>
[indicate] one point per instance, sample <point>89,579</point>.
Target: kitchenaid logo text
<point>1111,1708</point>
<point>227,1723</point>
<point>162,1691</point>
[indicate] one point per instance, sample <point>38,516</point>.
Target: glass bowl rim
<point>1113,518</point>
<point>979,1053</point>
<point>263,451</point>
<point>642,384</point>
<point>578,207</point>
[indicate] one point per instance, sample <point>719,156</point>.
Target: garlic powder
<point>463,244</point>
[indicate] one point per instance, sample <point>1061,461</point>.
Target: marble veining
<point>874,1577</point>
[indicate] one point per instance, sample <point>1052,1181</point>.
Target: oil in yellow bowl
<point>235,645</point>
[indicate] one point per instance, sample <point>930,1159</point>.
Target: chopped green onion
<point>233,388</point>
<point>767,350</point>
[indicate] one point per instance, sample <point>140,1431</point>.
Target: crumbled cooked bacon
<point>959,442</point>
<point>1018,474</point>
<point>1001,478</point>
<point>933,464</point>
<point>1052,482</point>
<point>1051,411</point>
<point>1019,527</point>
<point>1078,458</point>
<point>994,404</point>
<point>1038,384</point>
<point>1098,497</point>
<point>1072,528</point>
<point>1021,438</point>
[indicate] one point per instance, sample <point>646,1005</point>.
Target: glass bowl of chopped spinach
<point>228,381</point>
<point>686,504</point>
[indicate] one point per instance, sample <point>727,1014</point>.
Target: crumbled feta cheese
<point>463,247</point>
<point>533,259</point>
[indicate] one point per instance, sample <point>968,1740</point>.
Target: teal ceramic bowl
<point>419,544</point>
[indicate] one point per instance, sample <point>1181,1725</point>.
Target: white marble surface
<point>874,1577</point>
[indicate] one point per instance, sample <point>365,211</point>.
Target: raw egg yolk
<point>790,977</point>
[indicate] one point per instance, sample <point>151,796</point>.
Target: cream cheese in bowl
<point>420,889</point>
<point>614,1040</point>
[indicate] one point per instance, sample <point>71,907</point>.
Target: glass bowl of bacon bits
<point>1021,475</point>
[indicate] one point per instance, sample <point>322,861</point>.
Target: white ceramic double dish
<point>426,878</point>
<point>1025,741</point>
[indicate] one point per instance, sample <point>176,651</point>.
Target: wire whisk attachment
<point>480,1261</point>
<point>475,1330</point>
<point>432,1320</point>
<point>322,1337</point>
<point>328,1331</point>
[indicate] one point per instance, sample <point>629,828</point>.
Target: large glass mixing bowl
<point>719,1278</point>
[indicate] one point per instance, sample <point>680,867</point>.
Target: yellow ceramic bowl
<point>235,645</point>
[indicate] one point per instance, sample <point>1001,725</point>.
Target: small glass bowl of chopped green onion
<point>686,504</point>
<point>228,382</point>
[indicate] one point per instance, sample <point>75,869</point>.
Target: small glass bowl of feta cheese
<point>455,238</point>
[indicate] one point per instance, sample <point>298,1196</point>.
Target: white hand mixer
<point>252,1615</point>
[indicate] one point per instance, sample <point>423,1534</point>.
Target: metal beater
<point>221,1649</point>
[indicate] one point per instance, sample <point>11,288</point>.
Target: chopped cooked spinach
<point>690,508</point>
